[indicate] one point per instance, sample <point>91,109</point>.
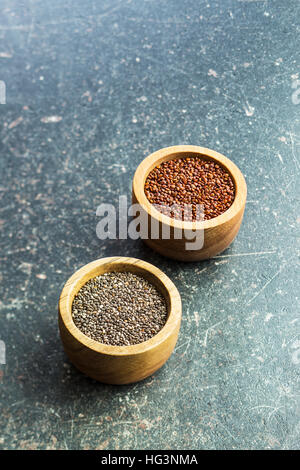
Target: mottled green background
<point>123,79</point>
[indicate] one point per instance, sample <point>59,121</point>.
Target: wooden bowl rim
<point>67,295</point>
<point>167,153</point>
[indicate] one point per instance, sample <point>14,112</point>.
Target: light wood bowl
<point>119,364</point>
<point>218,233</point>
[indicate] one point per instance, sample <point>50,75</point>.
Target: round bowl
<point>188,241</point>
<point>119,364</point>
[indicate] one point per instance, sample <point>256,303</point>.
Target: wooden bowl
<point>119,364</point>
<point>214,235</point>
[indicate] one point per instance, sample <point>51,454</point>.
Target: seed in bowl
<point>119,309</point>
<point>191,181</point>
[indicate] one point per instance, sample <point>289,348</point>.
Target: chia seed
<point>119,309</point>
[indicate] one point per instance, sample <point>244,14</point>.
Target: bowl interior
<point>120,267</point>
<point>181,151</point>
<point>177,155</point>
<point>121,264</point>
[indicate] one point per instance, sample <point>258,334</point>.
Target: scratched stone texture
<point>92,88</point>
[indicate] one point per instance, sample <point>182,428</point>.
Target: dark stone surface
<point>125,79</point>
